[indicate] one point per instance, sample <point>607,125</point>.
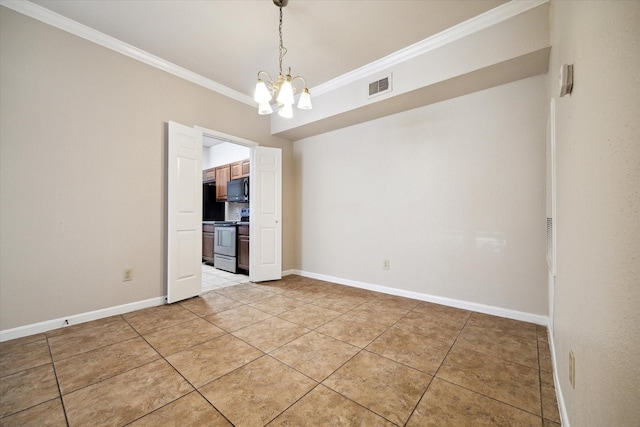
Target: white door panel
<point>184,217</point>
<point>266,214</point>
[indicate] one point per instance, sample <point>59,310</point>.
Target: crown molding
<point>464,29</point>
<point>471,26</point>
<point>51,18</point>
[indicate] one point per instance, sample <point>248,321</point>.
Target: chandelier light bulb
<point>304,103</point>
<point>262,94</point>
<point>285,94</point>
<point>264,108</point>
<point>286,111</point>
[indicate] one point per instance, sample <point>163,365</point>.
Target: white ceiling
<point>229,41</point>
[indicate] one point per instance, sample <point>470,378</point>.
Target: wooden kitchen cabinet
<point>207,243</point>
<point>246,168</point>
<point>223,174</point>
<point>240,169</point>
<point>243,247</point>
<point>236,170</point>
<point>209,175</point>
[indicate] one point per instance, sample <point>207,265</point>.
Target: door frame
<point>234,140</point>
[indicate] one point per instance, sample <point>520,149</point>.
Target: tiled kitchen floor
<point>213,279</point>
<point>292,352</point>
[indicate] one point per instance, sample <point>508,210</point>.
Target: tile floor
<point>293,352</point>
<point>213,279</point>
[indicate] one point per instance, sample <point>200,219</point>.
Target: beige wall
<point>82,170</point>
<point>453,194</point>
<point>597,289</point>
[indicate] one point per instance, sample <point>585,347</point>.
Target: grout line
<point>55,373</point>
<point>195,389</point>
<point>439,366</point>
<point>282,292</point>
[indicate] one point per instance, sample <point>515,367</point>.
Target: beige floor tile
<point>445,404</point>
<point>16,358</point>
<point>245,293</point>
<point>510,347</point>
<point>340,303</point>
<point>310,316</point>
<point>374,313</point>
<point>97,365</point>
<point>47,414</point>
<point>501,324</point>
<point>451,314</point>
<point>237,288</point>
<point>416,351</point>
<point>549,401</point>
<point>75,328</point>
<point>394,301</point>
<point>430,326</point>
<point>156,318</point>
<point>544,355</point>
<point>28,388</point>
<point>209,303</point>
<point>383,386</point>
<point>258,392</point>
<point>498,372</point>
<point>125,397</point>
<point>86,339</point>
<point>363,294</point>
<point>237,318</point>
<point>277,304</point>
<point>190,410</point>
<point>271,333</point>
<point>276,286</point>
<point>307,293</point>
<point>251,295</point>
<point>6,346</point>
<point>352,330</point>
<point>508,382</point>
<point>542,333</point>
<point>324,407</point>
<point>315,355</point>
<point>206,362</point>
<point>182,336</point>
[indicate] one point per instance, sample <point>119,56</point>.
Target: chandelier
<point>280,91</point>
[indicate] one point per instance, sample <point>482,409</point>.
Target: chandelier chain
<point>283,50</point>
<point>282,90</point>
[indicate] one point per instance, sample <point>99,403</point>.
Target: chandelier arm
<point>301,78</point>
<point>268,75</point>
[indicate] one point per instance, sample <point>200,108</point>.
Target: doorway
<point>184,238</point>
<point>226,154</point>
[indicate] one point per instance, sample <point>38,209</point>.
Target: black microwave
<point>238,190</point>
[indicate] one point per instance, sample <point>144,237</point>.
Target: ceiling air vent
<point>380,86</point>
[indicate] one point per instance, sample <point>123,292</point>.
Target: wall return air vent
<point>380,86</point>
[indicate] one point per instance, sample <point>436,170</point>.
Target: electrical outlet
<point>127,274</point>
<point>572,369</point>
<point>385,264</point>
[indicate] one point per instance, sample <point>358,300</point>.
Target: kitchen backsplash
<point>233,210</point>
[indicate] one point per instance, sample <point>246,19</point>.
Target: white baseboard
<point>466,305</point>
<point>48,325</point>
<point>564,417</point>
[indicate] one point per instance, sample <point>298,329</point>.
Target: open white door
<point>184,237</point>
<point>266,214</point>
